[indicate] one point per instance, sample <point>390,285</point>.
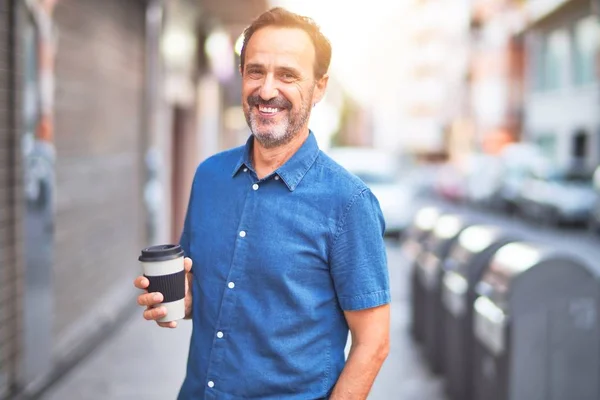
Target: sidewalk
<point>141,361</point>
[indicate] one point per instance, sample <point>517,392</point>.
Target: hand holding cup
<point>167,282</point>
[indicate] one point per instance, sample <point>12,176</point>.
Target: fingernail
<point>157,297</point>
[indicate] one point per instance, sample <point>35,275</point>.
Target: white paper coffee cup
<point>163,266</point>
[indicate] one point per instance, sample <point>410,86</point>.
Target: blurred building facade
<point>10,195</point>
<point>534,76</point>
<point>437,32</point>
<point>516,71</point>
<point>562,91</point>
<point>496,73</point>
<point>106,108</point>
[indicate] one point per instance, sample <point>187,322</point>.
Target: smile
<point>268,110</point>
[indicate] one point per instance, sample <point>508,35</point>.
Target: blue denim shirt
<point>276,262</point>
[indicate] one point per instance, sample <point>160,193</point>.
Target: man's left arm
<point>360,276</point>
<point>370,329</point>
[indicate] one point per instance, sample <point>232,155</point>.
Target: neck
<point>265,161</point>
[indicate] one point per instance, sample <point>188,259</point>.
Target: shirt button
<point>245,169</point>
<point>242,233</point>
<point>231,285</point>
<point>276,177</point>
<point>211,384</point>
<point>220,335</point>
<point>255,186</point>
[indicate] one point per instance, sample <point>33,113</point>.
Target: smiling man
<point>287,246</point>
<point>277,112</point>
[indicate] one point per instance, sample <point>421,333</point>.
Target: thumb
<point>187,264</point>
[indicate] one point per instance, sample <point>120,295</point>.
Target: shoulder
<point>343,185</point>
<point>345,193</point>
<point>220,163</point>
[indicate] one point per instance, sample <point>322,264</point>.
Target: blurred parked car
<point>483,177</point>
<point>421,177</point>
<point>380,172</point>
<point>517,160</point>
<point>552,196</point>
<point>451,183</point>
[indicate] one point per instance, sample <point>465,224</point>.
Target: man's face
<point>278,84</point>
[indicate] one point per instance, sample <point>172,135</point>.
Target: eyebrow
<point>278,69</point>
<point>291,70</point>
<point>254,65</point>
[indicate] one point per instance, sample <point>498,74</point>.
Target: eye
<point>288,77</point>
<point>254,73</point>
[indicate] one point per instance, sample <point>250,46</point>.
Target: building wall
<point>98,111</point>
<point>557,109</point>
<point>10,197</point>
<point>438,61</point>
<point>5,206</point>
<point>496,73</point>
<point>561,115</point>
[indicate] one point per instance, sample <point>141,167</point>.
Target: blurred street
<point>574,240</point>
<point>141,361</point>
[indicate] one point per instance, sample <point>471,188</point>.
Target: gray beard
<point>278,135</point>
<point>282,133</point>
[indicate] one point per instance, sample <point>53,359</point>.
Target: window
<point>586,43</point>
<point>580,144</point>
<point>535,61</point>
<point>579,150</point>
<point>555,59</point>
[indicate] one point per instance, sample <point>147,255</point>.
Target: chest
<point>261,230</point>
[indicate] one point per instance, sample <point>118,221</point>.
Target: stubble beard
<point>271,134</point>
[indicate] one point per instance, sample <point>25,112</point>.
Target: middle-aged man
<point>287,246</point>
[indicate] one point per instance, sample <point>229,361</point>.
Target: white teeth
<point>268,110</point>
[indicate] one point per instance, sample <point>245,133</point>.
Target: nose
<point>268,89</point>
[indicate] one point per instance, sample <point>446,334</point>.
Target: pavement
<point>139,361</point>
<point>142,361</point>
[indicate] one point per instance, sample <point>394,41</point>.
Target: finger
<point>172,324</point>
<point>187,264</point>
<point>152,314</point>
<point>150,299</point>
<point>141,282</point>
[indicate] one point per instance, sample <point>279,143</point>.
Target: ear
<point>240,69</point>
<point>320,87</point>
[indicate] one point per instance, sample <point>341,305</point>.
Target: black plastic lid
<point>163,252</point>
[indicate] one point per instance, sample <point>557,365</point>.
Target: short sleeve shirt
<point>276,263</point>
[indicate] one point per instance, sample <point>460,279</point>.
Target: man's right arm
<point>152,300</point>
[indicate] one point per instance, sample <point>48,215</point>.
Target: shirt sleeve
<point>358,259</point>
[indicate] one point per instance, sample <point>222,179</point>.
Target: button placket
<point>225,321</point>
<point>230,296</point>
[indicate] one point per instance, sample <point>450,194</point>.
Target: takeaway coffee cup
<point>163,266</point>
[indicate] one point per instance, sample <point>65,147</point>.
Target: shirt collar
<point>244,160</point>
<point>292,172</point>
